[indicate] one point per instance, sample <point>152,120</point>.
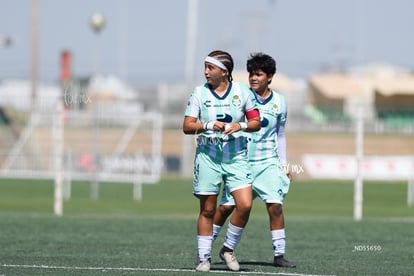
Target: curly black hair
<point>261,61</point>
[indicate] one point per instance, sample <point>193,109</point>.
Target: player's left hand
<point>231,128</point>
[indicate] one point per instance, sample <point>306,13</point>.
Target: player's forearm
<point>281,145</point>
<point>193,128</point>
<point>252,125</point>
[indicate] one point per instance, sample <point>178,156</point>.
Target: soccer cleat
<point>280,261</point>
<point>197,259</point>
<point>230,259</point>
<point>203,266</point>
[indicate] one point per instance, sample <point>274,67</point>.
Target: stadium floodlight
<point>97,22</point>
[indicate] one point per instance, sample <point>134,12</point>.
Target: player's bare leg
<point>205,232</point>
<point>206,215</point>
<point>239,219</point>
<point>277,228</point>
<point>243,200</point>
<point>220,217</point>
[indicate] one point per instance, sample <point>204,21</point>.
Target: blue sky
<point>144,42</point>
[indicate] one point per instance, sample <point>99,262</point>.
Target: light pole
<point>97,23</point>
<point>34,74</point>
<point>191,48</point>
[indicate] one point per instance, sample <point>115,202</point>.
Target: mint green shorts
<point>270,183</point>
<point>209,174</point>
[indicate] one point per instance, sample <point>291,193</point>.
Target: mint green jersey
<point>205,105</point>
<point>269,142</point>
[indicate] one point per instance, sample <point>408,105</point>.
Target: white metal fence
<point>93,145</point>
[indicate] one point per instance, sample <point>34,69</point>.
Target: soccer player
<point>216,111</point>
<point>267,156</point>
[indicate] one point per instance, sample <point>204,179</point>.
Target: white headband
<point>216,62</point>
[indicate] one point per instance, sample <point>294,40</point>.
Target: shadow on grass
<point>256,263</point>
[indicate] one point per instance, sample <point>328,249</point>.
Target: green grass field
<point>116,235</point>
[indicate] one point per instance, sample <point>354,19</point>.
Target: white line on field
<point>150,269</point>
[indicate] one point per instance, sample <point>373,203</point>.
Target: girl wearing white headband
<point>219,112</point>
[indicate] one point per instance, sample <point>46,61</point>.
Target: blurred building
<point>385,92</point>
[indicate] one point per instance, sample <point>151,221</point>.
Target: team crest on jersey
<point>275,108</point>
<point>236,100</point>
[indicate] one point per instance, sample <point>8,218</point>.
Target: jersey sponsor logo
<point>207,103</point>
<point>226,118</point>
<point>221,105</point>
<point>203,140</point>
<point>264,122</point>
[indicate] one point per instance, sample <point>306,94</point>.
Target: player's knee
<point>276,210</point>
<point>226,210</point>
<point>244,207</point>
<point>208,213</point>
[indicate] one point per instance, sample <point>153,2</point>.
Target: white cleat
<point>230,259</point>
<point>203,266</point>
